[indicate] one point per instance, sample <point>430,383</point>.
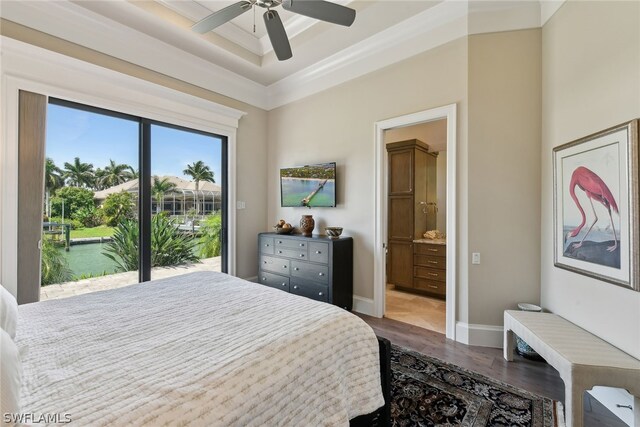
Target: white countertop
<point>431,241</point>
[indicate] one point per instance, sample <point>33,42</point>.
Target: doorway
<point>416,230</point>
<point>446,116</point>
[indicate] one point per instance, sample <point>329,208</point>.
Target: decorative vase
<point>307,224</point>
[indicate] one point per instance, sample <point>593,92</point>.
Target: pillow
<point>8,312</point>
<point>10,376</point>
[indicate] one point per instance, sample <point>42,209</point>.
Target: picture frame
<point>595,205</point>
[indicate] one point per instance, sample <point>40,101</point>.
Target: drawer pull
<point>302,245</point>
<point>279,241</point>
<point>264,279</point>
<point>284,284</point>
<point>266,244</point>
<point>296,268</point>
<point>432,262</point>
<point>433,274</point>
<point>320,274</point>
<point>318,252</point>
<point>301,255</point>
<point>264,262</point>
<point>433,286</point>
<point>279,252</point>
<point>432,250</point>
<point>295,286</point>
<point>320,294</point>
<point>284,266</point>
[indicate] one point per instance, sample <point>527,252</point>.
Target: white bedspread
<point>199,349</point>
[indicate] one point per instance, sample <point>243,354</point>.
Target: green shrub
<point>211,239</point>
<point>75,198</point>
<point>55,268</point>
<point>168,245</point>
<point>75,224</point>
<point>118,207</point>
<point>89,217</point>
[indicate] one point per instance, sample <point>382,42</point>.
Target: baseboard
<point>363,305</point>
<point>480,335</point>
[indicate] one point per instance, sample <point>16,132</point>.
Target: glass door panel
<point>188,177</point>
<point>90,214</point>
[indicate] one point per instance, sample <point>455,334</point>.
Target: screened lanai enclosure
<point>183,199</point>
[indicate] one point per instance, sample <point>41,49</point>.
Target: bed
<point>199,349</point>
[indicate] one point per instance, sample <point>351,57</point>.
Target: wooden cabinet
<point>430,268</point>
<point>316,267</point>
<point>411,180</point>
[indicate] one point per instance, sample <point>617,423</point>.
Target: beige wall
<point>251,136</point>
<point>338,125</point>
<point>504,172</point>
<point>591,81</point>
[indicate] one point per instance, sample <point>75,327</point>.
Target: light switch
<point>475,258</point>
<point>240,205</point>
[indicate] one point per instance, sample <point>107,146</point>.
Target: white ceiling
<point>236,61</point>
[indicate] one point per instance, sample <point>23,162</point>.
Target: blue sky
<point>96,139</point>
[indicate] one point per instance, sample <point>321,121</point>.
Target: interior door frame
<point>448,112</point>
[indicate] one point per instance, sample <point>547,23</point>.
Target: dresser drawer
<point>319,252</point>
<point>276,265</point>
<point>430,261</point>
<point>284,243</point>
<point>428,249</point>
<point>439,288</point>
<point>318,273</point>
<point>430,273</point>
<point>267,245</point>
<point>292,253</point>
<point>311,290</point>
<point>274,280</point>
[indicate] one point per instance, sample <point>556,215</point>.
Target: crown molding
<point>436,26</point>
<point>548,8</point>
<point>78,25</point>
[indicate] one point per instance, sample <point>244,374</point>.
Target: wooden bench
<point>582,359</point>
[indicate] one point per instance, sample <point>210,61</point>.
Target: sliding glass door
<point>128,199</point>
<point>188,179</point>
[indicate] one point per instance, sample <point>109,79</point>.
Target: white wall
<point>591,81</point>
<point>504,172</point>
<point>338,125</point>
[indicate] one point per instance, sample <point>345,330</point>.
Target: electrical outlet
<point>240,205</point>
<point>475,258</point>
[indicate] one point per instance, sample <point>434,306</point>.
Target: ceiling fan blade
<point>277,35</point>
<point>322,10</point>
<point>220,17</point>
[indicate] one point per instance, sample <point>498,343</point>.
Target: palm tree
<point>133,173</point>
<point>114,174</point>
<point>199,172</point>
<point>79,174</point>
<point>52,181</point>
<point>160,187</point>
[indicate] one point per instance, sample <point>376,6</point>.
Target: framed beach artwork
<point>596,205</point>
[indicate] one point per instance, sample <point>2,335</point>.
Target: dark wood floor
<point>536,377</point>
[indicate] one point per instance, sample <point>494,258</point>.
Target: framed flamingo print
<point>596,205</point>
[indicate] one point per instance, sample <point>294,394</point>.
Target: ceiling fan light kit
<point>317,9</point>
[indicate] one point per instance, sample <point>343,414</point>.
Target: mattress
<point>199,349</point>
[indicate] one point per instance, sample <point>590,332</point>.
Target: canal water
<point>88,259</point>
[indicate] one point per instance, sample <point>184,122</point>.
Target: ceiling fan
<point>318,9</point>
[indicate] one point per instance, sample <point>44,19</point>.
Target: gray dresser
<point>316,267</point>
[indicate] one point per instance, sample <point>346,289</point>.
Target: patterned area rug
<point>429,392</point>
